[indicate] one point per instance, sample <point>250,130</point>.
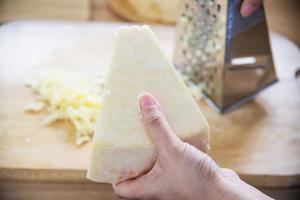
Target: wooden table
<point>261,140</point>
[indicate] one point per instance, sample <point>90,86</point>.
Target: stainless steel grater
<point>228,54</point>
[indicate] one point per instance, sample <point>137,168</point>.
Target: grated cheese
<point>69,96</point>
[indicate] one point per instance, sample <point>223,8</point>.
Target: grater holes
<point>207,11</point>
<point>187,6</point>
<point>219,8</point>
<point>199,38</point>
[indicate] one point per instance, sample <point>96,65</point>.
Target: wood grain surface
<point>44,9</point>
<point>260,141</point>
<point>92,191</point>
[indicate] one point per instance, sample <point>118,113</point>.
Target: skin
<point>181,171</point>
<point>249,6</point>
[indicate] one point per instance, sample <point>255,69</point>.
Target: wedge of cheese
<point>121,148</point>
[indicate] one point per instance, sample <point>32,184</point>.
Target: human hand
<point>249,6</point>
<point>181,171</point>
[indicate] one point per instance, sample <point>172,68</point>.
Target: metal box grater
<point>228,54</point>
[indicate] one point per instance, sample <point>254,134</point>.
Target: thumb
<point>155,123</point>
<point>132,189</point>
<point>249,6</point>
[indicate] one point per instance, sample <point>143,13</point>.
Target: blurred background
<point>283,15</point>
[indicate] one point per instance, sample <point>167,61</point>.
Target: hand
<point>181,171</point>
<point>249,6</point>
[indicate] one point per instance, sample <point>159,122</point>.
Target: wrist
<point>224,188</point>
<point>228,185</point>
<point>218,187</point>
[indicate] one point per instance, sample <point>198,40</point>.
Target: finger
<point>132,188</point>
<point>249,6</point>
<point>155,123</point>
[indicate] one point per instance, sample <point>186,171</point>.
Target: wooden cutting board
<point>261,140</point>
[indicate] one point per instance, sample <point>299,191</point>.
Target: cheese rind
<point>121,148</point>
<point>118,163</point>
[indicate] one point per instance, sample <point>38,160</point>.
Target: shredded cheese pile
<point>69,96</point>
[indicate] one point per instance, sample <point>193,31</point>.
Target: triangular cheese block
<point>121,148</point>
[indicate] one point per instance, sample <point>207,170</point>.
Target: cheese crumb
<point>36,106</point>
<point>194,88</point>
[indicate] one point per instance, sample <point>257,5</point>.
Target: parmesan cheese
<point>121,148</point>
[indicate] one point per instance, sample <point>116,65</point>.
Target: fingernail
<point>247,9</point>
<point>146,101</point>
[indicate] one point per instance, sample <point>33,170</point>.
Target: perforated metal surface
<point>211,35</point>
<point>201,37</point>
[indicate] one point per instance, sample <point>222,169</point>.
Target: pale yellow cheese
<point>121,148</point>
<point>69,96</point>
